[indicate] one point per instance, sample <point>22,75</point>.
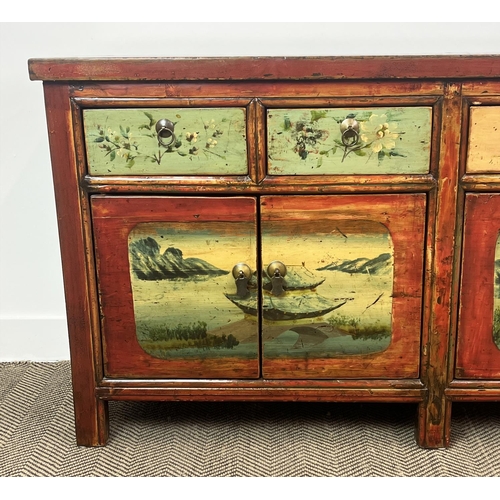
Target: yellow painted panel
<point>484,139</point>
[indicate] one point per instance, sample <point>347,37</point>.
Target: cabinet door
<point>478,346</point>
<point>347,301</point>
<point>165,279</point>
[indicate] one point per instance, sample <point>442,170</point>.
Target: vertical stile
<point>434,413</point>
<point>72,212</point>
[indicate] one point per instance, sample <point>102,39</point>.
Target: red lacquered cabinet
<point>278,229</point>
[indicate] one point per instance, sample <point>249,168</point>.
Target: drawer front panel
<point>478,346</point>
<point>165,282</point>
<point>204,141</point>
<point>484,139</point>
<point>352,300</point>
<point>384,141</point>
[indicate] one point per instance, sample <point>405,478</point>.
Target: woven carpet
<point>230,439</point>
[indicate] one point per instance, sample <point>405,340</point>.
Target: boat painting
<point>300,300</point>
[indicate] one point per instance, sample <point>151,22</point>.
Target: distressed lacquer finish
<point>266,68</point>
<point>484,140</point>
<point>91,412</point>
<point>354,265</point>
<point>389,141</point>
<point>435,411</point>
<point>478,351</point>
<point>205,141</point>
<point>496,295</point>
<point>164,268</point>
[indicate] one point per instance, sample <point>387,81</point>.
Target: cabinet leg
<point>433,424</point>
<point>91,423</point>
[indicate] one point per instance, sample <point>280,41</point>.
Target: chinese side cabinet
<point>299,229</point>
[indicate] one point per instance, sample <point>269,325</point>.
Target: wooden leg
<point>91,422</point>
<point>433,424</point>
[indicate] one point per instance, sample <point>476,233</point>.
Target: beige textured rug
<point>230,439</point>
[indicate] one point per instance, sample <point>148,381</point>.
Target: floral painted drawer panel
<point>349,141</point>
<point>208,141</point>
<point>484,137</point>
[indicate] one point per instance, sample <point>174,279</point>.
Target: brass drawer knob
<point>276,271</point>
<point>242,274</point>
<point>165,132</point>
<point>350,131</point>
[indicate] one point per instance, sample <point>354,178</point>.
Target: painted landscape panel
<point>338,288</point>
<point>206,141</point>
<point>181,276</point>
<point>386,141</point>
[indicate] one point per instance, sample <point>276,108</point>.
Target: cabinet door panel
<point>164,271</point>
<point>478,345</point>
<point>352,300</point>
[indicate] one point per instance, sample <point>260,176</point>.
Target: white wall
<point>32,313</point>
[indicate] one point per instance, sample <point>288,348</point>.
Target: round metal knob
<point>165,132</point>
<point>350,131</point>
<point>242,274</point>
<point>242,270</point>
<point>277,271</point>
<point>276,267</point>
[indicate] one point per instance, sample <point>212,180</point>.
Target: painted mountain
<point>147,263</point>
<point>378,266</point>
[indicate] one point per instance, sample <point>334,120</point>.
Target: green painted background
<point>308,141</point>
<point>210,141</point>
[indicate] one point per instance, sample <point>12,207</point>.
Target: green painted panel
<point>496,302</point>
<point>209,141</point>
<point>181,279</point>
<point>309,141</point>
<point>338,298</point>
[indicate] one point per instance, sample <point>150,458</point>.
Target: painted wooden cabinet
<point>299,229</point>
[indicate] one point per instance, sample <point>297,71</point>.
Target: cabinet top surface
<point>265,68</point>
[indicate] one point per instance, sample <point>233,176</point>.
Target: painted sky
<point>225,244</point>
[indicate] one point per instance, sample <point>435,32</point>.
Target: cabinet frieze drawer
<point>349,141</point>
<point>166,141</point>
